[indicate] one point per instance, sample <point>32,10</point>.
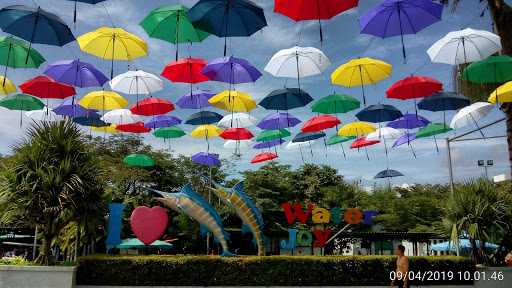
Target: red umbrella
<point>152,106</point>
<point>262,157</point>
<point>319,123</point>
<point>137,127</point>
<point>363,142</point>
<point>45,87</point>
<point>313,9</point>
<point>186,70</point>
<point>236,134</point>
<point>413,87</point>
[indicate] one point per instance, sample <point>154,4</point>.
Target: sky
<point>342,42</point>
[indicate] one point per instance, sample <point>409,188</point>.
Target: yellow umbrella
<point>6,86</point>
<point>502,94</point>
<point>112,44</point>
<point>233,101</point>
<point>360,72</point>
<point>206,131</point>
<point>103,100</point>
<point>107,129</point>
<point>357,128</point>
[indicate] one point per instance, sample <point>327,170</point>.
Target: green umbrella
<point>138,160</point>
<point>269,135</point>
<point>335,103</point>
<point>337,139</point>
<point>171,23</point>
<point>494,69</point>
<point>13,53</point>
<point>21,102</point>
<point>169,132</point>
<point>134,243</point>
<point>433,129</point>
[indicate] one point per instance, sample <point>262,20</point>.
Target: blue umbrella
<point>71,108</point>
<point>205,158</point>
<point>203,117</point>
<point>91,121</point>
<point>268,144</point>
<point>35,25</point>
<point>278,121</point>
<point>285,99</point>
<point>161,121</point>
<point>231,70</point>
<point>409,121</point>
<point>379,113</point>
<point>464,245</point>
<point>195,100</point>
<point>233,18</point>
<point>83,1</point>
<point>307,136</point>
<point>388,173</point>
<point>444,101</point>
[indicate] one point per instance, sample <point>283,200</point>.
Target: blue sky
<point>342,42</point>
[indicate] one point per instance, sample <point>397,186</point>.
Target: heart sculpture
<point>149,224</point>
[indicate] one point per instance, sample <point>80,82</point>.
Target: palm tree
<point>53,181</point>
<point>501,14</point>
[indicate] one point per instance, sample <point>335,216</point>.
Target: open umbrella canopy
<point>196,99</point>
<point>22,102</point>
<point>297,62</point>
<point>205,158</point>
<point>137,127</point>
<point>206,131</point>
<point>464,245</point>
<point>285,99</point>
<point>278,120</point>
<point>502,94</point>
<point>406,138</point>
<point>203,117</point>
<point>45,87</point>
<point>44,114</point>
<point>134,243</point>
<point>120,116</point>
<point>6,86</point>
<point>161,121</point>
<point>169,132</point>
<point>263,157</point>
<point>298,145</point>
<point>136,82</point>
<point>16,53</point>
<point>237,144</point>
<point>76,73</point>
<point>92,120</point>
<point>357,129</point>
<point>388,173</point>
<point>139,160</point>
<point>186,70</point>
<point>312,9</point>
<point>233,101</point>
<point>231,70</point>
<point>433,129</point>
<point>112,44</point>
<point>268,144</point>
<point>269,135</point>
<point>237,120</point>
<point>384,133</point>
<point>152,106</point>
<point>335,103</point>
<point>471,114</point>
<point>379,113</point>
<point>103,100</point>
<point>409,121</point>
<point>236,134</point>
<point>494,69</point>
<point>307,136</point>
<point>71,108</point>
<point>413,87</point>
<point>336,139</point>
<point>444,101</point>
<point>320,122</point>
<point>112,129</point>
<point>363,142</point>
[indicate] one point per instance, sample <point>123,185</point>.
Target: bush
<point>20,261</point>
<point>257,271</point>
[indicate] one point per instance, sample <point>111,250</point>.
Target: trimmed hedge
<point>257,271</point>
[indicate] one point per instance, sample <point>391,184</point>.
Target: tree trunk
<point>44,255</point>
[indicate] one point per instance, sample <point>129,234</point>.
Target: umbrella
<point>409,121</point>
<point>335,103</point>
<point>406,138</point>
<point>138,160</point>
<point>152,106</point>
<point>357,129</point>
<point>203,117</point>
<point>504,93</point>
<point>134,243</point>
<point>14,53</point>
<point>399,17</point>
<point>413,87</point>
<point>162,121</point>
<point>235,144</point>
<point>444,101</point>
<point>313,9</point>
<point>103,100</point>
<point>388,173</point>
<point>112,44</point>
<point>262,157</point>
<point>319,123</point>
<point>207,159</point>
<point>294,145</point>
<point>120,116</point>
<point>90,121</point>
<point>336,139</point>
<point>470,115</point>
<point>297,62</point>
<point>137,127</point>
<point>233,101</point>
<point>76,73</point>
<point>363,142</point>
<point>35,25</point>
<point>197,99</point>
<point>379,113</point>
<point>231,70</point>
<point>494,69</point>
<point>186,70</point>
<point>169,132</point>
<point>285,99</point>
<point>307,136</point>
<point>237,120</point>
<point>112,129</point>
<point>172,24</point>
<point>464,46</point>
<point>234,18</point>
<point>277,121</point>
<point>136,82</point>
<point>464,245</point>
<point>268,144</point>
<point>360,72</point>
<point>384,133</point>
<point>21,102</point>
<point>7,87</point>
<point>45,87</point>
<point>433,129</point>
<point>236,134</point>
<point>83,1</point>
<point>72,109</point>
<point>269,135</point>
<point>42,115</point>
<point>206,131</point>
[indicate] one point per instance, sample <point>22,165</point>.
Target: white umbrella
<point>470,115</point>
<point>44,114</point>
<point>384,133</point>
<point>120,117</point>
<point>297,62</point>
<point>299,145</point>
<point>237,120</point>
<point>136,82</point>
<point>237,144</point>
<point>464,46</point>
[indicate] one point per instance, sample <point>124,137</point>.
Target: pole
<point>450,167</point>
<point>34,247</point>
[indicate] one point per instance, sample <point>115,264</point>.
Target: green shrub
<point>20,261</point>
<point>256,271</point>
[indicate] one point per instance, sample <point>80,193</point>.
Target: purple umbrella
<point>231,70</point>
<point>406,138</point>
<point>195,100</point>
<point>268,144</point>
<point>71,108</point>
<point>76,73</point>
<point>205,158</point>
<point>400,17</point>
<point>409,121</point>
<point>162,121</point>
<point>278,120</point>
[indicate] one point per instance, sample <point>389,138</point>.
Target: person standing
<point>402,268</point>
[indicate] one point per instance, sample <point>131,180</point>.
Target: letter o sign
<point>353,216</point>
